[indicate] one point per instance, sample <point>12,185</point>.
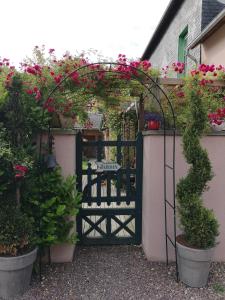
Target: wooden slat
<point>119,160</point>
<point>109,182</point>
<point>112,173</point>
<point>99,157</point>
<point>131,198</point>
<point>109,143</point>
<point>128,184</point>
<point>110,211</point>
<point>123,225</point>
<point>89,184</point>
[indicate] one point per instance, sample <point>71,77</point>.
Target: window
<point>182,46</point>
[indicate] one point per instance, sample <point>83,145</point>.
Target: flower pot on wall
<point>153,124</point>
<point>15,274</point>
<point>193,265</point>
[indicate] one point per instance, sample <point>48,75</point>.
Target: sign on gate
<point>107,166</point>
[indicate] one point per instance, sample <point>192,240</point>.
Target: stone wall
<point>167,50</point>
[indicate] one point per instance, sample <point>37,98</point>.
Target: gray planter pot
<point>194,265</point>
<point>15,274</point>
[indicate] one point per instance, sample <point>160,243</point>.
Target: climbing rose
<point>20,170</point>
<point>31,70</point>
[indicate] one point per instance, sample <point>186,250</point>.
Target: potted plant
<point>200,227</point>
<point>153,121</point>
<point>53,202</point>
<point>17,250</point>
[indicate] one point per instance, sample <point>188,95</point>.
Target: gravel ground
<point>119,272</point>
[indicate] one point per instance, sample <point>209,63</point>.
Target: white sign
<point>107,166</point>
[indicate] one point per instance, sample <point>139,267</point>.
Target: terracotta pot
<point>153,125</point>
<point>66,122</point>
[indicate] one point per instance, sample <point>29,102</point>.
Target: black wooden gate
<point>111,206</point>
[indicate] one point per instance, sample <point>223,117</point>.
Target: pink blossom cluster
<point>49,105</point>
<point>217,117</point>
<point>128,69</point>
<point>20,171</point>
<point>34,70</point>
<point>178,67</point>
<point>36,92</point>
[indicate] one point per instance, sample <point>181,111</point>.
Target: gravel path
<point>119,272</point>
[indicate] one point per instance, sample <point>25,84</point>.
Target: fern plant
<point>198,223</point>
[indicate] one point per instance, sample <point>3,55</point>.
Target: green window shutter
<point>182,46</point>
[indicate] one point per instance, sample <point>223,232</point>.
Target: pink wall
<point>65,149</point>
<point>213,48</point>
<point>153,235</point>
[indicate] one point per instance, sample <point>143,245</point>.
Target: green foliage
<point>114,122</point>
<point>16,231</point>
<point>198,223</point>
<point>219,288</point>
<point>52,200</point>
<point>6,169</point>
<point>212,98</point>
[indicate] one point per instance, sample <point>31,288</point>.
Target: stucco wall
<point>213,49</point>
<point>64,149</point>
<point>167,50</point>
<point>153,234</point>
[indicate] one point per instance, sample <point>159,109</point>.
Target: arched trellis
<point>153,88</point>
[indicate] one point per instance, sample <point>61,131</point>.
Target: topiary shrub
<point>200,228</point>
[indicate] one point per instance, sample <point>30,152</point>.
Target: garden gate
<point>111,207</point>
<point>104,219</point>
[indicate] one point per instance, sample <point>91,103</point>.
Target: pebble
<point>118,273</point>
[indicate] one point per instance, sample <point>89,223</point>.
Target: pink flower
<point>31,70</point>
<point>180,94</point>
<point>38,96</point>
<point>50,109</point>
<point>51,50</point>
<point>75,77</point>
<point>49,105</point>
<point>37,68</point>
<point>20,170</point>
<point>29,92</point>
<point>58,78</point>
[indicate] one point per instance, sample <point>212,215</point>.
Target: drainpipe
<point>194,59</point>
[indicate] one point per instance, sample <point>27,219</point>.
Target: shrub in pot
<point>53,202</point>
<point>200,227</point>
<point>17,251</point>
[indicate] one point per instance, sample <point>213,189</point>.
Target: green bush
<point>16,231</point>
<point>51,200</point>
<point>199,225</point>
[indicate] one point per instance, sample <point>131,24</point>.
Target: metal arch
<point>166,165</point>
<point>115,64</point>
